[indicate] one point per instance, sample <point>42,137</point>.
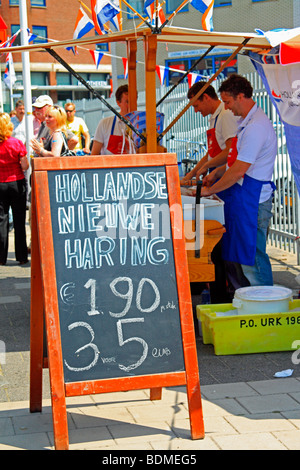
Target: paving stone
<point>269,403</point>
<point>254,441</point>
<point>264,422</point>
<point>36,441</point>
<point>290,439</point>
<point>238,389</point>
<point>284,385</point>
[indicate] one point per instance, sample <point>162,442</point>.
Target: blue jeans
<point>261,273</point>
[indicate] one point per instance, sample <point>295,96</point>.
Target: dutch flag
<point>102,12</point>
<point>206,7</point>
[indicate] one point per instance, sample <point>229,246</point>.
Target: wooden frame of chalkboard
<point>62,210</point>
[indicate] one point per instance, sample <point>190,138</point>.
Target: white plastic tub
<point>262,299</point>
<point>213,208</point>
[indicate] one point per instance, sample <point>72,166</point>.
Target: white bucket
<point>262,299</point>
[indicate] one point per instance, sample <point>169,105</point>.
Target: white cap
<point>42,101</point>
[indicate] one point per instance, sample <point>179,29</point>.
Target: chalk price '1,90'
<point>128,296</point>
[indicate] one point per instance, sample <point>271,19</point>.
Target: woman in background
<point>13,163</point>
<point>57,145</point>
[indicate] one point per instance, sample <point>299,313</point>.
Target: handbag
<point>66,152</point>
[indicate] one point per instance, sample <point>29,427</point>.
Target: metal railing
<point>187,138</point>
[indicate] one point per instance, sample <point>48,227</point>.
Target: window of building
<point>173,4</point>
<point>138,5</point>
<point>39,78</point>
<point>33,3</point>
<point>39,31</point>
<point>222,3</point>
<point>14,28</point>
<point>103,46</point>
<point>38,3</point>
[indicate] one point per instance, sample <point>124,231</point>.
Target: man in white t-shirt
<point>18,121</point>
<point>222,128</point>
<point>245,183</point>
<point>110,136</point>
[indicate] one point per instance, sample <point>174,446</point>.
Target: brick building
<point>55,20</point>
<point>228,16</point>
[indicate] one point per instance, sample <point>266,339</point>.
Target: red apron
<point>232,154</point>
<point>117,144</point>
<point>213,147</point>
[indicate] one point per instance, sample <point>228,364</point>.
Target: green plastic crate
<point>231,333</point>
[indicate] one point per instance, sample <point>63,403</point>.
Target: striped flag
<point>9,76</point>
<point>193,78</point>
<point>125,65</point>
<point>102,12</point>
<point>97,56</point>
<point>31,36</point>
<point>82,26</point>
<point>206,7</point>
<point>162,73</point>
<point>149,8</point>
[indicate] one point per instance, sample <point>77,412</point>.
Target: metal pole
<point>26,74</point>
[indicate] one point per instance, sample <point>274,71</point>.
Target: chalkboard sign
<point>115,273</point>
<point>109,271</point>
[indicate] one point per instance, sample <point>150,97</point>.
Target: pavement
<point>244,406</point>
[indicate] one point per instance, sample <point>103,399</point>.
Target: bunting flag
<point>206,7</point>
<point>102,12</point>
<point>9,77</point>
<point>97,56</point>
<point>82,26</point>
<point>162,73</point>
<point>31,36</point>
<point>193,78</point>
<point>149,9</point>
<point>125,65</point>
<point>9,41</point>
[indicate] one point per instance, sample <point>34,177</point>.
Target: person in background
<point>36,121</point>
<point>246,183</point>
<point>110,133</point>
<point>57,145</point>
<point>18,121</point>
<point>41,106</point>
<point>78,127</point>
<point>13,163</point>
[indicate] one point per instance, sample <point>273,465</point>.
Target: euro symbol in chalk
<point>65,294</point>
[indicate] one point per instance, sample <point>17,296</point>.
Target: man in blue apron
<point>222,128</point>
<point>110,136</point>
<point>245,183</point>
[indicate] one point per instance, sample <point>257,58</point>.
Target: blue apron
<point>241,212</point>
